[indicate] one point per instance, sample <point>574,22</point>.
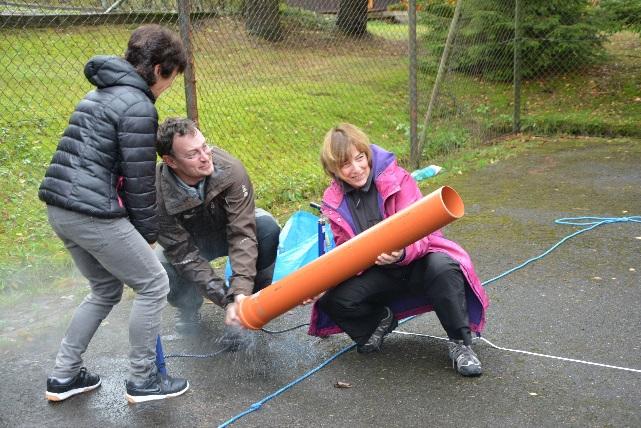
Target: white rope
<point>422,335</point>
<point>536,354</point>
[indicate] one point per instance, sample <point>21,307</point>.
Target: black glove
<point>215,291</point>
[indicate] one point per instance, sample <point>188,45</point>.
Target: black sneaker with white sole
<point>82,382</point>
<point>157,387</point>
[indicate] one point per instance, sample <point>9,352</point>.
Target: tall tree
<point>352,17</point>
<point>262,19</point>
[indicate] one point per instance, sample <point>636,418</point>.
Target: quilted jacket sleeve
<point>136,187</point>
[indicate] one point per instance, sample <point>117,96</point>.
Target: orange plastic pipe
<point>407,226</point>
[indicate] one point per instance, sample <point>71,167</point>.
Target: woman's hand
<point>388,259</point>
<point>313,299</point>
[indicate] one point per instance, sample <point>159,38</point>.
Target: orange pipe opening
<point>407,226</point>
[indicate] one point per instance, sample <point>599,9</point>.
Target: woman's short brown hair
<point>150,45</point>
<point>337,145</point>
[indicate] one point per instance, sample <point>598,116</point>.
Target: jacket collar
<point>383,163</point>
<point>173,197</point>
<point>176,200</point>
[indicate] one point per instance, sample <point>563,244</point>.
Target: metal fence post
<point>516,120</point>
<point>184,18</point>
<point>440,74</point>
<point>415,155</point>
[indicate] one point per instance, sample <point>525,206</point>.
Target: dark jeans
<point>358,304</point>
<point>185,295</point>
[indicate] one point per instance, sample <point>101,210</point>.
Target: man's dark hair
<point>150,45</point>
<point>169,129</point>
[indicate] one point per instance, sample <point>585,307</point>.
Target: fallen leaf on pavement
<point>340,384</point>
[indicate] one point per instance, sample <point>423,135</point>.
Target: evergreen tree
<point>556,35</point>
<point>620,15</point>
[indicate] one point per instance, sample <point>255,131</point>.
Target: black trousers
<point>358,304</point>
<point>185,295</point>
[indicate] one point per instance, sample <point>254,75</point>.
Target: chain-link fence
<point>543,66</point>
<point>271,77</point>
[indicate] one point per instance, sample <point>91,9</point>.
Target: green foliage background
<point>270,104</point>
<point>620,15</point>
<point>552,32</point>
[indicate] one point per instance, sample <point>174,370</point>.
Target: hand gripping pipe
<point>407,226</point>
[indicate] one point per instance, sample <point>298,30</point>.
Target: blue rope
<point>590,222</point>
<point>257,405</point>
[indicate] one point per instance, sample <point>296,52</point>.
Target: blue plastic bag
<point>427,172</point>
<point>297,244</point>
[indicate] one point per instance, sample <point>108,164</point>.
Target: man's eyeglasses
<point>205,150</point>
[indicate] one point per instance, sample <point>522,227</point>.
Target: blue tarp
<point>297,244</point>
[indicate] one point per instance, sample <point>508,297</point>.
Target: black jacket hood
<point>104,71</point>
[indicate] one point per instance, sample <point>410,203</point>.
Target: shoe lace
<point>462,353</point>
<point>82,377</point>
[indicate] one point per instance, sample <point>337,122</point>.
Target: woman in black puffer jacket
<point>105,163</point>
<point>101,202</point>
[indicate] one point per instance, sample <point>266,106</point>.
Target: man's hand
<point>388,259</point>
<point>215,291</point>
<point>231,313</point>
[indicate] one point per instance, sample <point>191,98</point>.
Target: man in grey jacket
<point>206,208</point>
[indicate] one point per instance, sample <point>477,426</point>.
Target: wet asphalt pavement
<point>583,301</point>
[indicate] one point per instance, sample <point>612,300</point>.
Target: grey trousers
<point>110,253</point>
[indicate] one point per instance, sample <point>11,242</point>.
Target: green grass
<point>393,32</point>
<point>601,101</point>
<point>270,105</point>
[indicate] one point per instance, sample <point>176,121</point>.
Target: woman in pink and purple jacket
<point>434,273</point>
